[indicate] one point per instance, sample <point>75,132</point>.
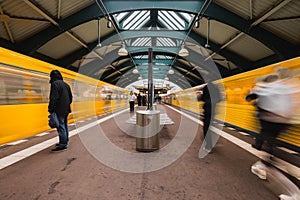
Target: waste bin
<point>147,128</point>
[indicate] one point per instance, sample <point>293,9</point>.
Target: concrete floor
<point>76,174</point>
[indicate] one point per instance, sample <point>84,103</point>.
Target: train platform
<point>101,162</point>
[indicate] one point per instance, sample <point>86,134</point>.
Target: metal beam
<point>6,26</point>
<point>45,15</point>
<point>58,9</point>
<point>275,43</point>
<point>36,41</point>
<point>193,37</point>
<point>270,12</point>
<point>255,23</point>
<point>184,6</point>
<point>40,11</point>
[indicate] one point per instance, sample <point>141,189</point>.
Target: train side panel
<point>24,96</point>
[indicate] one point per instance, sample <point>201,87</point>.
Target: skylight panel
<point>141,41</point>
<point>187,16</point>
<point>164,23</point>
<point>137,42</point>
<point>171,42</point>
<point>120,16</point>
<point>167,18</point>
<point>166,42</point>
<point>179,22</point>
<point>171,18</point>
<point>163,57</point>
<point>142,20</point>
<point>162,64</point>
<point>126,21</point>
<point>144,57</point>
<point>134,20</point>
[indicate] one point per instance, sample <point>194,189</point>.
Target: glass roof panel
<point>164,57</point>
<point>170,17</point>
<point>142,19</point>
<point>120,15</point>
<point>188,17</point>
<point>141,42</point>
<point>134,20</point>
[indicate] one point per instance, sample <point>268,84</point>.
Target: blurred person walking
<point>139,99</point>
<point>211,96</point>
<point>276,98</point>
<point>275,106</point>
<point>131,99</point>
<point>60,100</point>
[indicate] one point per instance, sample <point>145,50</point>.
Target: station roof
<point>222,37</point>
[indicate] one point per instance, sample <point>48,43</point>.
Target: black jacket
<point>211,94</point>
<point>60,95</point>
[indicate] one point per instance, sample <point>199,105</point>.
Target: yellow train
<point>234,110</point>
<point>24,93</point>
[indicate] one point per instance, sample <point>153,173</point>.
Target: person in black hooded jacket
<point>211,96</point>
<point>60,100</point>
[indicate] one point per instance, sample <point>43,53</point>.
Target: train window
<point>22,86</point>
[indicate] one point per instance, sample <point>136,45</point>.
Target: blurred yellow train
<point>24,93</point>
<point>234,110</point>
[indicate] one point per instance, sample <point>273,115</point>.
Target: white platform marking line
<point>287,150</point>
<point>17,142</point>
<point>42,134</point>
<point>186,115</point>
<point>20,155</point>
<point>281,164</point>
<point>243,133</point>
<point>13,158</point>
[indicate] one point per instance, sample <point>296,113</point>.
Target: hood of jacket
<point>55,75</point>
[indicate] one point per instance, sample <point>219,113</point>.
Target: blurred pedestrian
<point>144,100</point>
<point>131,99</point>
<point>276,99</point>
<point>275,106</point>
<point>211,96</point>
<point>60,100</point>
<point>139,99</point>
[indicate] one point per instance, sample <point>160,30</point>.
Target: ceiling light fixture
<point>108,22</point>
<point>99,43</point>
<point>197,22</point>
<point>166,78</point>
<point>123,51</point>
<point>183,51</point>
<point>208,31</point>
<point>135,71</point>
<point>171,71</point>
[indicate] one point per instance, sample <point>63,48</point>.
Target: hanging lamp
<point>183,51</point>
<point>123,51</point>
<point>208,31</point>
<point>99,42</point>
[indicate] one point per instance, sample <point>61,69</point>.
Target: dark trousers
<point>139,102</point>
<point>131,104</point>
<point>268,132</point>
<point>209,113</point>
<point>63,131</point>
